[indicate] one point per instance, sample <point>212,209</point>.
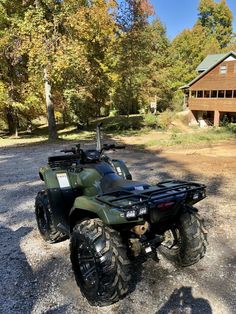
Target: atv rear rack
<point>190,191</point>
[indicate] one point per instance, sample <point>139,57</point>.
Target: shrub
<point>231,127</point>
<point>178,101</point>
<point>113,113</point>
<point>165,118</point>
<point>123,123</point>
<point>104,111</point>
<point>150,120</point>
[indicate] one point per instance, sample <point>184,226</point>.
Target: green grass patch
<point>199,136</point>
<point>124,127</point>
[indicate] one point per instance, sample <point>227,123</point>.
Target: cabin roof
<point>219,60</point>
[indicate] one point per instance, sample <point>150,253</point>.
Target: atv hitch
<point>149,247</point>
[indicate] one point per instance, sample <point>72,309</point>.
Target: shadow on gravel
<point>57,310</point>
<point>136,274</point>
<point>182,301</point>
<point>20,285</point>
<point>223,282</point>
<point>17,290</point>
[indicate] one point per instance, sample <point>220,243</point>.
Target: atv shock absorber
<point>138,232</point>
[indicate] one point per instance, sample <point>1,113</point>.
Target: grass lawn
<point>153,139</point>
<point>137,135</point>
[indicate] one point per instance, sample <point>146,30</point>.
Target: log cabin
<point>211,95</point>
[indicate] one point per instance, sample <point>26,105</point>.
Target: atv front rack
<point>190,191</point>
<point>63,161</point>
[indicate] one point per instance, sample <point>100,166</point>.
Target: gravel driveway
<point>36,277</point>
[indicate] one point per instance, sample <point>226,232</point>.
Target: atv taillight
<point>164,206</point>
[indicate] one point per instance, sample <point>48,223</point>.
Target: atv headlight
<point>196,196</point>
<point>136,212</point>
<point>143,211</point>
<point>199,195</point>
<point>131,214</point>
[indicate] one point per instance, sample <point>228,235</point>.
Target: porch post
<point>216,118</point>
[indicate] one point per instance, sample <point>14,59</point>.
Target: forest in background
<point>76,60</point>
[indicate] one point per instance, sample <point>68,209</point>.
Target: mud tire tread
<point>111,260</point>
<point>193,244</point>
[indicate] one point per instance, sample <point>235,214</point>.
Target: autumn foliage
<point>84,58</point>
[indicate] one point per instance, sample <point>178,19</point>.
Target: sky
<point>177,15</point>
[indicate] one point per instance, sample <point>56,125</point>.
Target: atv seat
<point>112,183</point>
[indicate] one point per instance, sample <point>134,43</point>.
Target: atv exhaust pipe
<point>141,229</point>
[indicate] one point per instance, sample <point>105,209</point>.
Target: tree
<point>16,107</point>
<point>158,83</point>
<point>210,34</point>
<point>216,19</point>
<point>188,49</point>
<point>40,32</point>
<point>83,69</point>
<point>133,55</point>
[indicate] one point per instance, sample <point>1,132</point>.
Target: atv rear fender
<point>87,207</point>
<point>60,199</point>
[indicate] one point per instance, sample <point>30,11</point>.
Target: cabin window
<point>214,93</point>
<point>228,94</point>
<point>223,69</point>
<point>234,68</point>
<point>207,94</point>
<point>193,94</point>
<point>199,94</point>
<point>221,94</point>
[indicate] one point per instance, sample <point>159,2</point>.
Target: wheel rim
<point>42,219</point>
<point>87,266</point>
<point>172,239</point>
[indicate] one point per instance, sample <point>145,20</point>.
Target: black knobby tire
<point>99,261</point>
<point>189,240</point>
<point>44,219</point>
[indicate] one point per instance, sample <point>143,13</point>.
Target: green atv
<point>110,219</point>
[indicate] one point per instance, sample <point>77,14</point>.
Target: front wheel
<point>185,243</point>
<point>99,262</point>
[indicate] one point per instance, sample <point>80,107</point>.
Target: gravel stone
<point>36,277</point>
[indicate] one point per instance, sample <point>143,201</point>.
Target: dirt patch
<point>37,278</point>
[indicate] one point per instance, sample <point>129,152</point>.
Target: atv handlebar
<point>67,150</point>
<point>74,150</point>
<point>77,150</point>
<point>112,146</point>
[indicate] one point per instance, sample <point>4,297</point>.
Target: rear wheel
<point>44,219</point>
<point>99,262</point>
<point>186,243</point>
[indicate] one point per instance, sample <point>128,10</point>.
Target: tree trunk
<point>16,125</point>
<point>10,120</point>
<point>52,131</point>
<point>64,118</point>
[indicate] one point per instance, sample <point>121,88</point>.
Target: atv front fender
<point>89,207</point>
<point>121,169</point>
